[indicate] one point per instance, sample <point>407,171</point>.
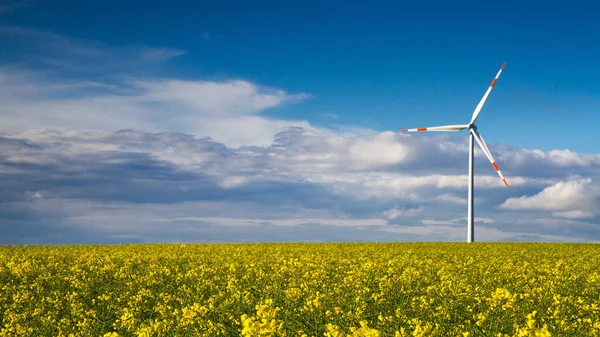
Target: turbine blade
<point>482,102</point>
<point>438,128</point>
<point>488,154</point>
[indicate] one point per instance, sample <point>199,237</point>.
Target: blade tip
<point>405,130</point>
<point>505,183</point>
<point>503,64</point>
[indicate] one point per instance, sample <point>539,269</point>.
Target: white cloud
<point>394,213</point>
<point>178,222</point>
<point>233,182</point>
<point>224,221</point>
<point>126,94</point>
<point>225,111</point>
<point>243,130</point>
<point>442,231</point>
<point>575,214</point>
<point>388,185</point>
<point>575,198</point>
<point>456,221</point>
<point>566,158</point>
<point>447,197</point>
<point>233,97</point>
<point>383,149</point>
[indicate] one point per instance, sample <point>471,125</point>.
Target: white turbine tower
<point>472,134</point>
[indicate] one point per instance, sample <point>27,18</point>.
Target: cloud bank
<point>131,186</point>
<point>121,154</point>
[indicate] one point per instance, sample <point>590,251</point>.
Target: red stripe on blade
<point>422,129</point>
<point>493,83</point>
<point>505,183</point>
<point>503,64</point>
<point>495,166</point>
<point>403,130</point>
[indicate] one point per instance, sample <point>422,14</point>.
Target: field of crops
<point>350,289</point>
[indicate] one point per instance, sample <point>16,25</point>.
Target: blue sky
<point>318,85</point>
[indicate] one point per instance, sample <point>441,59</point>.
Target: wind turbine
<point>473,134</point>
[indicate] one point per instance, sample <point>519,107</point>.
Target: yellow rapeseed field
<point>335,290</point>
